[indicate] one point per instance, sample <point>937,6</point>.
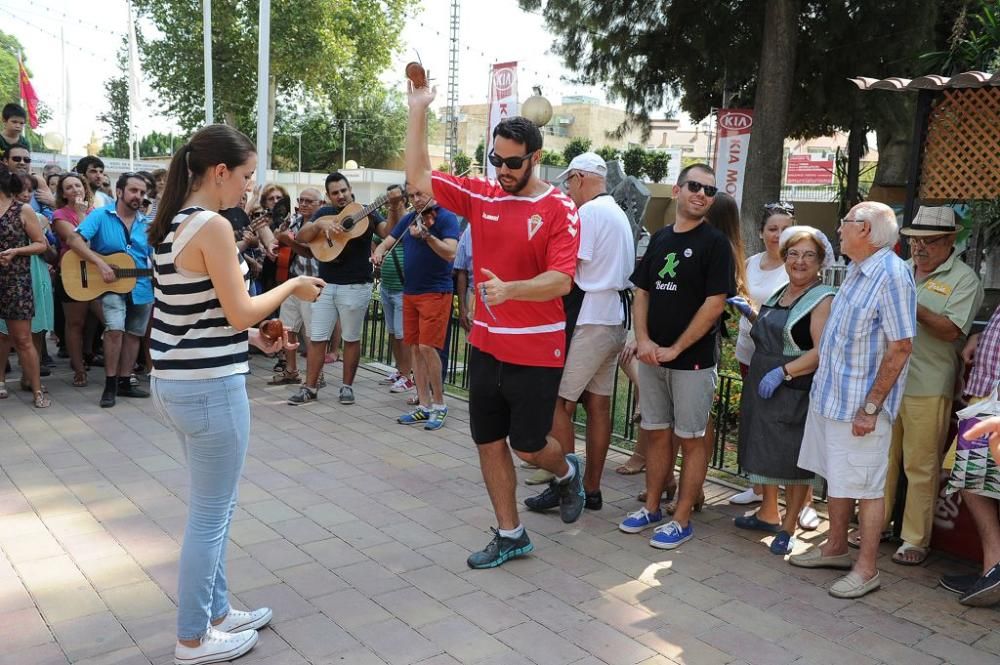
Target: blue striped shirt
<point>876,304</point>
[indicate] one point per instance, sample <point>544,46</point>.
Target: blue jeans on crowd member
<point>212,421</point>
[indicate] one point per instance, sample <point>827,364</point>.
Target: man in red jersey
<point>526,235</point>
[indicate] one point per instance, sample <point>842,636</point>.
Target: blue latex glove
<point>770,382</point>
<point>742,305</point>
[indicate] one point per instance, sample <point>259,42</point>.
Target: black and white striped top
<point>191,338</point>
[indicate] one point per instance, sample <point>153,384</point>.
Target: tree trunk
<point>855,151</point>
<point>894,132</point>
<point>770,122</point>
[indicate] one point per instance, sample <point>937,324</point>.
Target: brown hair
<point>88,195</point>
<point>798,237</point>
<point>267,192</point>
<point>724,215</point>
<point>210,146</point>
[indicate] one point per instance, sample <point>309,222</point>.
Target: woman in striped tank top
<point>199,343</point>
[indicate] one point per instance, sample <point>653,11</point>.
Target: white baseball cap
<point>590,162</point>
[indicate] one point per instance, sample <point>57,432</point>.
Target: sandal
<point>671,506</point>
<point>753,523</point>
<point>42,401</point>
<point>3,390</point>
<point>854,538</point>
<point>668,494</point>
<point>79,379</point>
<point>630,468</point>
<point>904,555</point>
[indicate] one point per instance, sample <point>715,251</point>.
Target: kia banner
<point>503,103</point>
<point>731,150</point>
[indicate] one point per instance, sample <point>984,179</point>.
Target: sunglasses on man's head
<point>511,162</point>
<point>20,160</point>
<point>780,206</point>
<point>694,187</point>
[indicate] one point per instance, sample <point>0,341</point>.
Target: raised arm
<point>418,161</point>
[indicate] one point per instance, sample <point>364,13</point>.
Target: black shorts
<point>515,401</point>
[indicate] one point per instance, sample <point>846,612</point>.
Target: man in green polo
<point>948,296</point>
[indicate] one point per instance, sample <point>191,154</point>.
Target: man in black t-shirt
<point>681,288</point>
<point>346,295</point>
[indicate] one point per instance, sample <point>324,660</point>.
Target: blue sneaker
<point>499,550</point>
<point>436,420</point>
<point>640,520</point>
<point>671,535</point>
<point>418,415</point>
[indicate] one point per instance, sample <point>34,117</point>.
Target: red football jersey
<point>516,238</point>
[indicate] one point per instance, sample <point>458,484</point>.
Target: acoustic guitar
<point>82,279</point>
<point>354,219</point>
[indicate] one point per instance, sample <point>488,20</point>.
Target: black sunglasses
<point>780,206</point>
<point>20,160</point>
<point>694,187</point>
<point>513,163</point>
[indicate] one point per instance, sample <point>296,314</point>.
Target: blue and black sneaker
<point>571,495</point>
<point>499,550</point>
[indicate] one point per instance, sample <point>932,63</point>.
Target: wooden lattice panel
<point>962,150</point>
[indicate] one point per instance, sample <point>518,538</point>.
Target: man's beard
<point>519,185</point>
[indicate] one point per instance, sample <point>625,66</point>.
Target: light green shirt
<point>953,291</point>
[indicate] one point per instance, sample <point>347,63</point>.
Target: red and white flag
<point>731,150</point>
<point>503,103</point>
<point>28,95</point>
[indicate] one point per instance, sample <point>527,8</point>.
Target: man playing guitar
<point>348,291</point>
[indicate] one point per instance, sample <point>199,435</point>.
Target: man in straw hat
<point>948,296</point>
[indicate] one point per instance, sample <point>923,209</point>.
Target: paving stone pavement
<point>356,529</point>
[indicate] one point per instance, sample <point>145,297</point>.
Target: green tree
<point>116,117</point>
<point>608,153</point>
<point>634,161</point>
<point>575,147</point>
<point>329,51</point>
<point>376,127</point>
<point>481,154</point>
<point>656,164</point>
<point>741,53</point>
<point>461,163</point>
<point>553,158</point>
<point>974,44</point>
<point>10,88</point>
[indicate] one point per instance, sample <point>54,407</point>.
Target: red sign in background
<point>802,170</point>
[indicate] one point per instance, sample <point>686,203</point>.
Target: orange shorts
<point>425,318</point>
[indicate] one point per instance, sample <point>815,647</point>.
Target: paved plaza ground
<point>356,530</point>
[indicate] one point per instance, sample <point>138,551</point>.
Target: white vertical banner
<point>503,103</point>
<point>134,99</point>
<point>731,148</point>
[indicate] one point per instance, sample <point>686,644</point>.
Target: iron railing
<point>375,347</point>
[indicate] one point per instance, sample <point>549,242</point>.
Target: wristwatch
<point>870,408</point>
<point>788,377</point>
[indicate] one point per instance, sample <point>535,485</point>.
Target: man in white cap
<point>595,314</point>
<point>948,296</point>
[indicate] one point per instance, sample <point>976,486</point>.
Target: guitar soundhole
<point>348,223</point>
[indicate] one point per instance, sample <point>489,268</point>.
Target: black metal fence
<point>376,347</point>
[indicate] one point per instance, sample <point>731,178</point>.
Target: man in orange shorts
<point>430,239</point>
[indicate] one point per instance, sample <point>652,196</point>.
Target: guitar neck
<point>373,206</point>
<point>133,272</point>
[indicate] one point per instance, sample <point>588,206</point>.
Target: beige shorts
<point>854,467</point>
<point>591,361</point>
<point>296,314</point>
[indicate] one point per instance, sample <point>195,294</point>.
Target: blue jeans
<point>392,311</point>
<point>212,421</point>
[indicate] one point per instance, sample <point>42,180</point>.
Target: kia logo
<point>503,82</point>
<point>736,121</point>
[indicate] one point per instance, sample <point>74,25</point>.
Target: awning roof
<point>932,82</point>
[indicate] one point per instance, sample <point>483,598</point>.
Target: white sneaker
<point>215,647</point>
<point>808,519</point>
<point>402,385</point>
<point>746,497</point>
<point>237,620</point>
<point>391,379</point>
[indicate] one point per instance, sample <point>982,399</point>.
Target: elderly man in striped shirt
<point>863,358</point>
